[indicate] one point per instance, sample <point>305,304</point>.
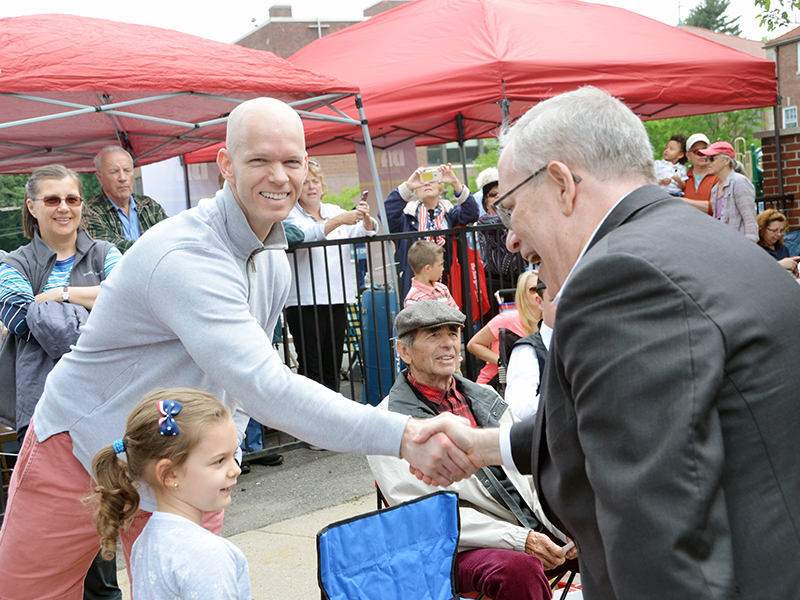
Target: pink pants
<point>502,575</point>
<point>48,539</point>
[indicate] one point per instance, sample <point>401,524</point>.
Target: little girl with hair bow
<point>182,443</point>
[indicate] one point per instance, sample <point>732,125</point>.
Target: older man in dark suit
<point>668,442</point>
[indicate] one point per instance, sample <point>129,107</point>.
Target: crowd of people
<point>653,448</point>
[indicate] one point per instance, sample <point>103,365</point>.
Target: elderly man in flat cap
<point>505,545</point>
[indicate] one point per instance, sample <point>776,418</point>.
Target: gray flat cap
<point>427,314</point>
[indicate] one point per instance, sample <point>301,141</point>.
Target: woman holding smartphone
<point>323,279</point>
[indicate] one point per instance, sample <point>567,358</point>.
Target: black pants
<point>101,580</point>
<point>320,344</point>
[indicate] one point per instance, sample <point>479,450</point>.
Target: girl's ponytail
<point>115,495</point>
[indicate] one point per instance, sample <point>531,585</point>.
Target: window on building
<point>789,116</point>
<point>449,153</point>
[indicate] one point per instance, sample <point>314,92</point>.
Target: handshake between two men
<point>445,449</point>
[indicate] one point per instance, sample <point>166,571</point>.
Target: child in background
<point>671,171</point>
<point>426,259</point>
<point>180,442</point>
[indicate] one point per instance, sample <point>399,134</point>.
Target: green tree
<point>12,196</point>
<point>347,198</point>
<point>488,158</point>
<point>776,14</point>
<point>709,15</point>
<point>724,127</point>
<point>91,186</point>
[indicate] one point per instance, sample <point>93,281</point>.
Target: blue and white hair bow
<point>167,424</point>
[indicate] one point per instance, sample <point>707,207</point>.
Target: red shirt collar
<point>449,400</point>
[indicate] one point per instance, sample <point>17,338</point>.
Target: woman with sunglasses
<point>523,320</point>
<point>734,197</point>
<point>47,289</point>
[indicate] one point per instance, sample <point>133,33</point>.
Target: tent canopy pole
<point>373,167</point>
<point>461,149</point>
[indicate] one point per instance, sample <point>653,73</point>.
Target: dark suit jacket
<point>668,445</point>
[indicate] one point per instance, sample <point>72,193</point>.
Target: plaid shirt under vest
<point>449,400</point>
<point>102,222</point>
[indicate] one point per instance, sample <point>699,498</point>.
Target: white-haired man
<point>117,215</point>
<point>666,443</point>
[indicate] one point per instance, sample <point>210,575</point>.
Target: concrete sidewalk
<point>283,556</point>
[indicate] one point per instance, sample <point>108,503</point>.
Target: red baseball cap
<point>718,148</point>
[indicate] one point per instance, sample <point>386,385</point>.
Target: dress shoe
<point>273,460</point>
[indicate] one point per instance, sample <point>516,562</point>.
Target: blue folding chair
<point>406,552</point>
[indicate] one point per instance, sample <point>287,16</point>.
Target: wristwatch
<point>65,294</point>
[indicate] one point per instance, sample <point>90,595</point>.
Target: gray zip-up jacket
<point>54,326</point>
<point>485,522</point>
<point>175,313</point>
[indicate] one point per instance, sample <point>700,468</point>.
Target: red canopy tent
<point>450,70</point>
<point>71,85</point>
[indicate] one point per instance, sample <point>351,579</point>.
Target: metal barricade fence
<point>370,364</point>
<point>482,272</point>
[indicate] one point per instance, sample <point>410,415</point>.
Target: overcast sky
<point>234,21</point>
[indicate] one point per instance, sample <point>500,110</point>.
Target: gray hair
<point>98,160</point>
<point>407,339</point>
<point>586,129</point>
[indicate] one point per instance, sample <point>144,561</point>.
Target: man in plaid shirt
<point>117,215</point>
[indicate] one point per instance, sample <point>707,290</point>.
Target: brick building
<point>284,35</point>
<point>785,51</point>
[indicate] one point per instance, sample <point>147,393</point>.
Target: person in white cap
<point>697,192</point>
<point>502,266</point>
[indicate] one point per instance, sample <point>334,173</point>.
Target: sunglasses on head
<point>53,201</point>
